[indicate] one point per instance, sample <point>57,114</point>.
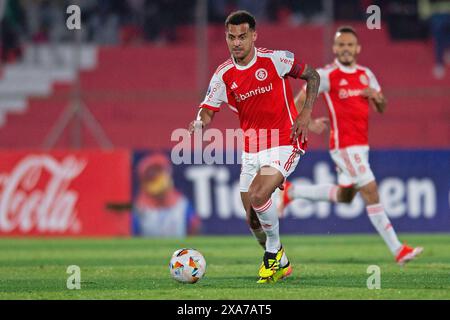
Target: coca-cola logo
<point>35,195</point>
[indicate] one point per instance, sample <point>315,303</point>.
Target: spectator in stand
<point>12,22</point>
<point>295,12</point>
<point>103,19</point>
<point>218,10</point>
<point>437,13</point>
<point>257,8</point>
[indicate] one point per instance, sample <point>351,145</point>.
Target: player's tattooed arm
<point>299,100</point>
<point>312,78</point>
<point>204,117</point>
<point>300,126</point>
<point>317,125</point>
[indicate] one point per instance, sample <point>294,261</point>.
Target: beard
<point>346,60</point>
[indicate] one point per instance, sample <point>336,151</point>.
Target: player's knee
<point>369,193</point>
<point>258,196</point>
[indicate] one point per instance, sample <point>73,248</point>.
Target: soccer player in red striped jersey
<point>349,89</point>
<point>254,84</point>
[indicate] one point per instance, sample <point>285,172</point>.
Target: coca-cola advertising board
<point>63,193</point>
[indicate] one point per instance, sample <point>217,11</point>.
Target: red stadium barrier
<point>63,193</point>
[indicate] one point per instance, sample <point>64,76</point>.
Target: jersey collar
<point>343,68</point>
<point>251,63</point>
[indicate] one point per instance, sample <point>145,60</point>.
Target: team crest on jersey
<point>261,74</point>
<point>364,80</point>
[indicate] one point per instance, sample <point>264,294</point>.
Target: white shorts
<point>352,166</point>
<point>283,158</point>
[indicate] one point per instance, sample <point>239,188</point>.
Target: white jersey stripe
<point>233,108</point>
<point>289,111</point>
<point>333,119</point>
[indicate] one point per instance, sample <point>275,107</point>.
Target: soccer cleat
<point>270,269</point>
<point>284,198</point>
<point>270,264</point>
<point>407,254</point>
<point>282,273</point>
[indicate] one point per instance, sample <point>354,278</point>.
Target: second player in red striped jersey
<point>349,90</point>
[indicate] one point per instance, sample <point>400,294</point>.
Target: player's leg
<point>378,216</point>
<point>259,234</point>
<point>253,221</point>
<point>344,192</point>
<point>380,221</point>
<point>368,189</point>
<point>321,192</point>
<point>260,194</point>
<point>276,165</point>
<point>248,172</point>
<point>249,169</point>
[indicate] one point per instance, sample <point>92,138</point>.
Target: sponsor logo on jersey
<point>347,93</point>
<point>261,74</point>
<point>255,92</point>
<point>287,61</point>
<point>212,91</point>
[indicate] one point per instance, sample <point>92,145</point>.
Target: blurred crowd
<point>135,21</point>
<point>118,21</point>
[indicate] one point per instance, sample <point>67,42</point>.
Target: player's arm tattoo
<point>299,100</point>
<point>312,78</point>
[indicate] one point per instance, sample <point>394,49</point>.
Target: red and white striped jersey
<point>261,95</point>
<point>348,109</point>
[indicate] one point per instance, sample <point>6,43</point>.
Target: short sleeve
<point>216,95</point>
<point>373,82</point>
<point>283,61</point>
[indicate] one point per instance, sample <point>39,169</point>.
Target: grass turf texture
<point>325,267</point>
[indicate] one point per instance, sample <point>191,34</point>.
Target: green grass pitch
<point>325,267</point>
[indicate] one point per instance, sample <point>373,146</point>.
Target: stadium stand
<point>159,83</point>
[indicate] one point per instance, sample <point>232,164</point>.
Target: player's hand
<point>376,99</point>
<point>195,125</point>
<point>319,125</point>
<point>300,126</point>
<point>370,93</point>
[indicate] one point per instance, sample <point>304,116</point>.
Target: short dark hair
<point>347,29</point>
<point>240,17</point>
